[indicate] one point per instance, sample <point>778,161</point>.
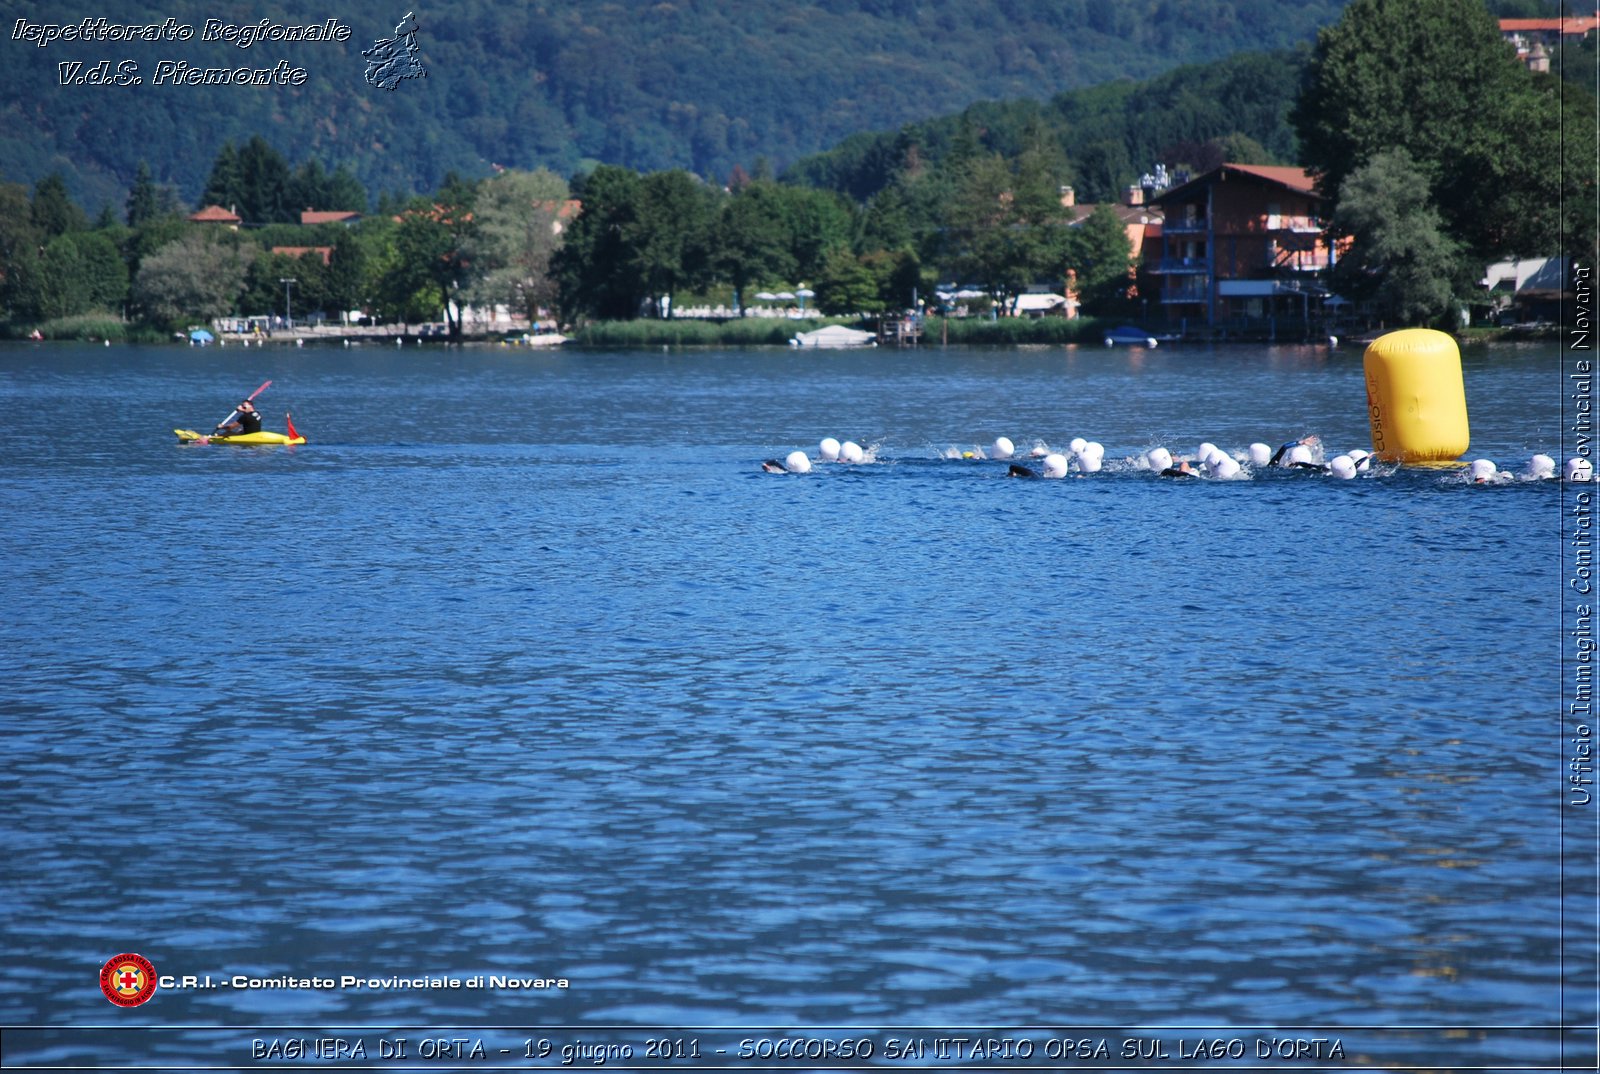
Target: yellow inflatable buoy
<point>1416,398</point>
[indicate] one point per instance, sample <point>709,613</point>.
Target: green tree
<point>983,247</point>
<point>54,211</point>
<point>596,266</point>
<point>1580,192</point>
<point>349,274</point>
<point>196,278</point>
<point>225,185</point>
<point>150,236</point>
<point>311,187</point>
<point>519,218</point>
<point>104,272</point>
<point>73,274</point>
<point>344,192</point>
<point>886,222</point>
<point>817,221</point>
<point>1434,77</point>
<point>846,285</point>
<point>264,185</point>
<point>306,188</point>
<point>49,285</point>
<point>433,246</point>
<point>753,243</point>
<point>1100,257</point>
<point>898,275</point>
<point>144,199</point>
<point>20,241</point>
<point>671,237</point>
<point>1400,258</point>
<point>1008,228</point>
<point>265,292</point>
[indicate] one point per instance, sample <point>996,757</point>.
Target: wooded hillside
<point>698,84</point>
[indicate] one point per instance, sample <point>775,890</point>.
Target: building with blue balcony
<point>1243,252</point>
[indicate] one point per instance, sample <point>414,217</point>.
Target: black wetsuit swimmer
<point>1018,470</point>
<point>1278,455</point>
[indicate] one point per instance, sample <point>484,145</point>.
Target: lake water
<point>523,669</point>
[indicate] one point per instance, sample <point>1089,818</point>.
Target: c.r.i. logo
<point>128,980</point>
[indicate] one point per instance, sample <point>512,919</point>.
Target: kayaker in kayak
<point>249,421</point>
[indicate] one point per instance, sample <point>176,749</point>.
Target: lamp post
<point>288,313</point>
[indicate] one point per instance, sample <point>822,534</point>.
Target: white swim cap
<point>1221,465</point>
<point>1003,447</point>
<point>797,463</point>
<point>1055,465</point>
<point>1540,467</point>
<point>1343,466</point>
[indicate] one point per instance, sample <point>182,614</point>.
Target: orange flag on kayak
<point>287,420</point>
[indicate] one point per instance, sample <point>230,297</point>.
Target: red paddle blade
<point>287,420</point>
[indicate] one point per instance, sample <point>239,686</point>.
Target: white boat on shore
<point>835,335</point>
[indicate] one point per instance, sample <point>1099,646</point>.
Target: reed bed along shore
<point>758,331</point>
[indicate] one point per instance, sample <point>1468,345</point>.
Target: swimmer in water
<point>1539,468</point>
<point>1018,470</point>
<point>1183,469</point>
<point>1485,472</point>
<point>1304,457</point>
<point>796,462</point>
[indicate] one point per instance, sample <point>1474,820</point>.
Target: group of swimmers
<point>1208,461</point>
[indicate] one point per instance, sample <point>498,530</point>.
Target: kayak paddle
<point>249,399</point>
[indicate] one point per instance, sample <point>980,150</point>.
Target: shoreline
<point>757,332</point>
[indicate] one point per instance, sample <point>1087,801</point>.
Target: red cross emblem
<point>128,980</point>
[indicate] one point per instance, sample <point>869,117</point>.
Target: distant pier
<point>900,331</point>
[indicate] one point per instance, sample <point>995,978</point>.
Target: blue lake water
<point>523,667</point>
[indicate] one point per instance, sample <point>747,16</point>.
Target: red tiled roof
<point>325,252</point>
<point>214,214</point>
<point>1572,24</point>
<point>318,216</point>
<point>1298,178</point>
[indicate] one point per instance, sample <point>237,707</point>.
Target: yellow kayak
<point>189,436</point>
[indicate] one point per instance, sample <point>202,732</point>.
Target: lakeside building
<point>1242,250</point>
<point>1536,39</point>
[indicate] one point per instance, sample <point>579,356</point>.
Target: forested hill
<point>700,84</point>
<point>1197,116</point>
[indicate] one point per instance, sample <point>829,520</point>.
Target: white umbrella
<point>765,296</point>
<point>784,296</point>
